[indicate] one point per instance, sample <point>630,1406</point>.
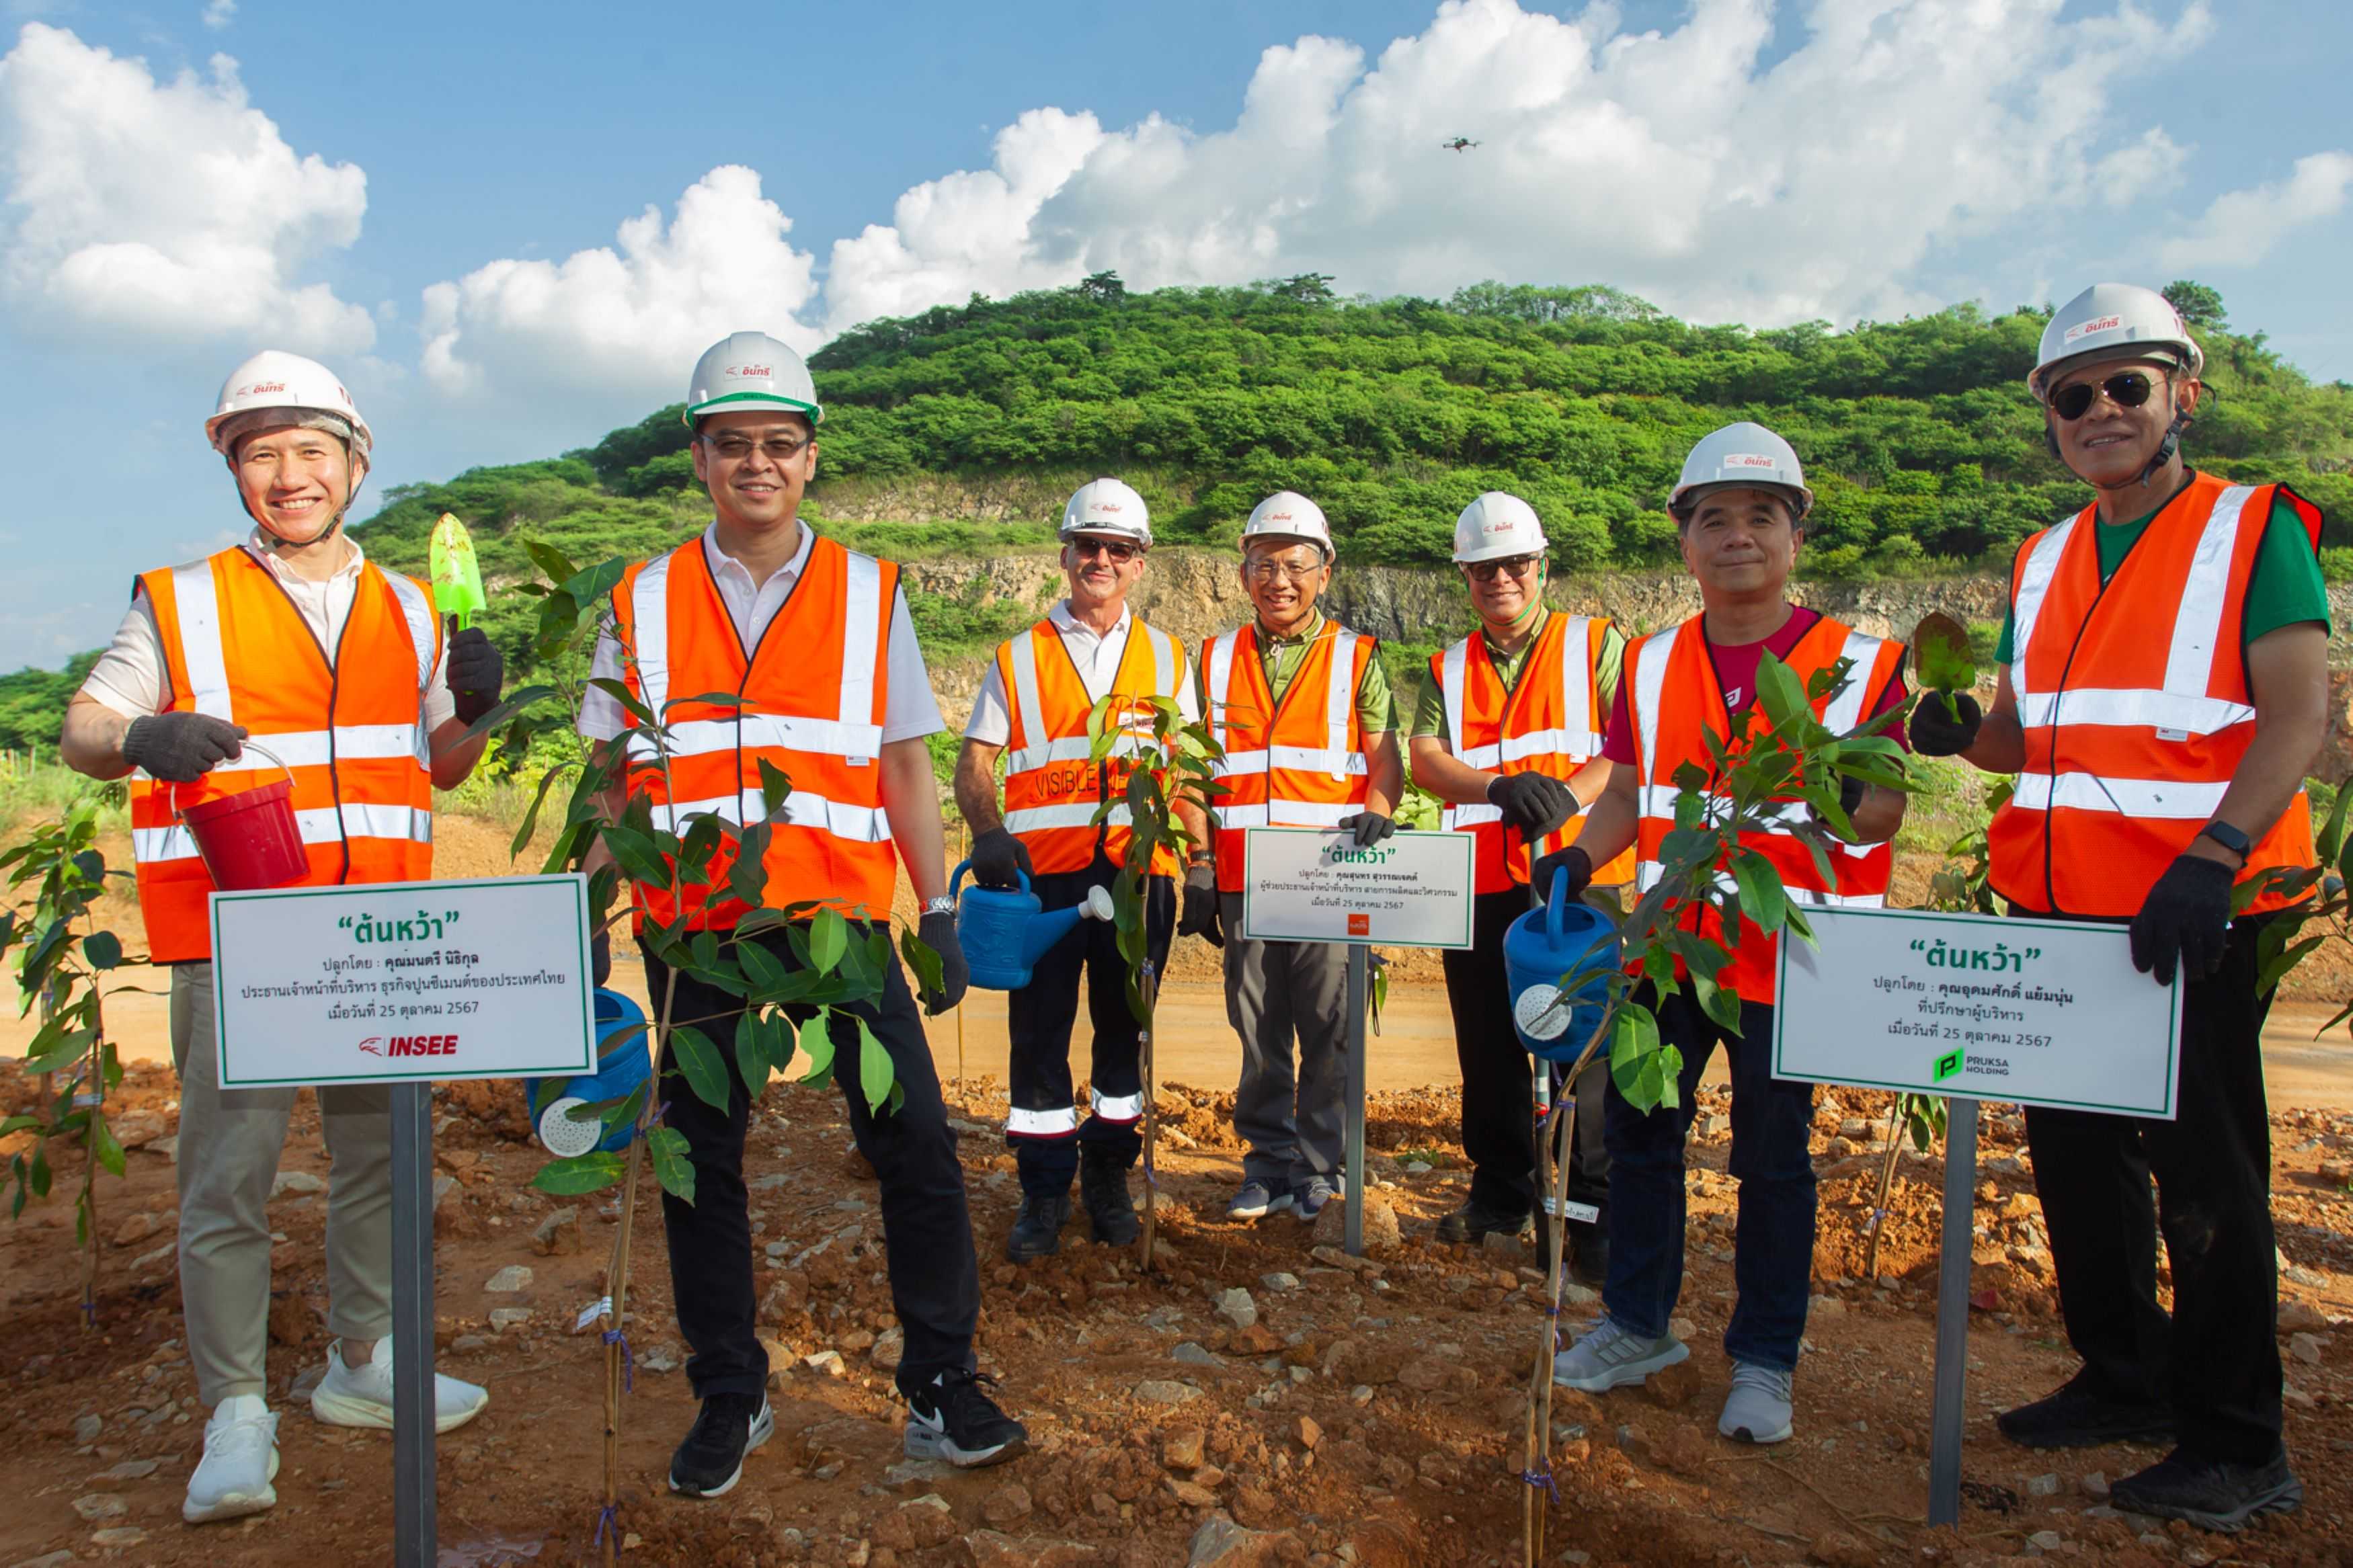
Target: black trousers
<point>1498,1081</point>
<point>926,1227</point>
<point>1039,1018</point>
<point>2216,1360</point>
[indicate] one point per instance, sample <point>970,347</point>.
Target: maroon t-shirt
<point>1735,673</point>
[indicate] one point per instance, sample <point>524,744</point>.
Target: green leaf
<point>817,1045</point>
<point>547,781</point>
<point>698,1060</point>
<point>666,1149</point>
<point>1779,690</point>
<point>2278,967</point>
<point>703,831</point>
<point>763,970</point>
<point>750,1055</point>
<point>774,787</point>
<point>1717,1003</point>
<point>104,1143</point>
<point>922,962</point>
<point>637,855</point>
<point>828,937</point>
<point>1633,1042</point>
<point>553,563</point>
<point>103,949</point>
<point>1941,655</point>
<point>579,1173</point>
<point>874,1075</point>
<point>777,1041</point>
<point>747,878</point>
<point>619,691</point>
<point>1763,898</point>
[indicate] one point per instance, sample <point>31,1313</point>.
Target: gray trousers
<point>1291,1118</point>
<point>229,1143</point>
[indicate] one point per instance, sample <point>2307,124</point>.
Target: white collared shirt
<point>1095,656</point>
<point>910,711</point>
<point>131,677</point>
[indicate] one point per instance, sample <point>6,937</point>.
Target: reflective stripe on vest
<point>351,735</point>
<point>1296,762</point>
<point>812,697</point>
<point>1675,702</point>
<point>2134,699</point>
<point>1053,786</point>
<point>1549,723</point>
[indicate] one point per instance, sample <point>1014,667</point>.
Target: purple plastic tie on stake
<point>605,1516</point>
<point>628,1363</point>
<point>1542,1480</point>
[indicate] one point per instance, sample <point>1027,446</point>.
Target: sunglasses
<point>2128,390</point>
<point>1118,550</point>
<point>1514,566</point>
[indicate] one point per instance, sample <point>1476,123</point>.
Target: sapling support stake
<point>1886,1186</point>
<point>1151,985</point>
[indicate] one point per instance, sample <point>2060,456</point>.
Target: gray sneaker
<point>1758,1410</point>
<point>1260,1198</point>
<point>1310,1196</point>
<point>1607,1356</point>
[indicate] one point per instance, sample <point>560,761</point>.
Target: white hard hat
<point>1287,514</point>
<point>2114,320</point>
<point>745,371</point>
<point>1109,507</point>
<point>1744,457</point>
<point>274,381</point>
<point>1496,527</point>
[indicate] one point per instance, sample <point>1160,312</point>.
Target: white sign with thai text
<point>401,982</point>
<point>1315,884</point>
<point>2038,1012</point>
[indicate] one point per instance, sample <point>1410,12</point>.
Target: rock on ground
<point>1222,1543</point>
<point>1381,1230</point>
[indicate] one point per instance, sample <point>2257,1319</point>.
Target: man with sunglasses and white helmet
<point>2163,689</point>
<point>338,672</point>
<point>1507,733</point>
<point>1033,710</point>
<point>1302,709</point>
<point>1740,508</point>
<point>814,648</point>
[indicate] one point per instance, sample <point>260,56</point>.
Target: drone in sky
<point>1459,145</point>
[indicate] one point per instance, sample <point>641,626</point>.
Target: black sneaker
<point>1103,1188</point>
<point>711,1460</point>
<point>1475,1219</point>
<point>952,1417</point>
<point>2209,1493</point>
<point>2080,1415</point>
<point>1038,1229</point>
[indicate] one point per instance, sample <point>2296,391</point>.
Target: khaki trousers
<point>229,1144</point>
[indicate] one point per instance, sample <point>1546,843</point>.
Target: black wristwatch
<point>2228,837</point>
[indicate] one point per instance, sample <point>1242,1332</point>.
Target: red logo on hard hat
<point>1360,925</point>
<point>1106,506</point>
<point>2084,328</point>
<point>257,388</point>
<point>1749,461</point>
<point>1278,517</point>
<point>750,369</point>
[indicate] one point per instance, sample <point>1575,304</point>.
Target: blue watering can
<point>1005,933</point>
<point>1541,948</point>
<point>622,1064</point>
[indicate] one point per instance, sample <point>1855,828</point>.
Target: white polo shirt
<point>1096,656</point>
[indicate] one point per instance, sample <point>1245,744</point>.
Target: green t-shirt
<point>1429,707</point>
<point>1280,658</point>
<point>2285,589</point>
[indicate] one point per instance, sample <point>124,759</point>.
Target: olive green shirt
<point>1280,658</point>
<point>2286,588</point>
<point>1430,707</point>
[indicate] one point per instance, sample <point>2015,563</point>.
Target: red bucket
<point>248,840</point>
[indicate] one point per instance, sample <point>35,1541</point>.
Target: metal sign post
<point>415,1534</point>
<point>1353,1157</point>
<point>1953,1310</point>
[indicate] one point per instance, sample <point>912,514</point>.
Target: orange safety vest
<point>1675,704</point>
<point>1053,784</point>
<point>1549,723</point>
<point>1288,764</point>
<point>2135,702</point>
<point>353,734</point>
<point>813,696</point>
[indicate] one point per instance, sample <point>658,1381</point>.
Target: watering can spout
<point>1051,926</point>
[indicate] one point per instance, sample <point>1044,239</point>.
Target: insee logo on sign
<point>410,1046</point>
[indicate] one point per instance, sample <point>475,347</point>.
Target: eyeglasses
<point>777,448</point>
<point>1516,565</point>
<point>1119,550</point>
<point>2128,390</point>
<point>1267,571</point>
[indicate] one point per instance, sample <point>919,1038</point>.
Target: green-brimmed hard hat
<point>746,371</point>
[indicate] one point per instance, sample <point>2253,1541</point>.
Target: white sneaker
<point>240,1461</point>
<point>1608,1356</point>
<point>362,1396</point>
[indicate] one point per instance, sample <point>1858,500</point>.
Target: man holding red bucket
<point>337,673</point>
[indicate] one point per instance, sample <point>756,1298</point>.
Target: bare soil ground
<point>1371,1414</point>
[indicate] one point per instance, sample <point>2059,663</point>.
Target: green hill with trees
<point>1921,441</point>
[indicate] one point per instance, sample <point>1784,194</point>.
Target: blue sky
<point>433,198</point>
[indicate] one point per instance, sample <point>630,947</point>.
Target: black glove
<point>2187,914</point>
<point>181,748</point>
<point>999,859</point>
<point>1535,804</point>
<point>1199,915</point>
<point>1850,793</point>
<point>937,931</point>
<point>600,956</point>
<point>1936,733</point>
<point>1574,861</point>
<point>476,672</point>
<point>1369,827</point>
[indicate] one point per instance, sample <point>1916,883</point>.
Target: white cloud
<point>172,210</point>
<point>1676,164</point>
<point>629,322</point>
<point>219,14</point>
<point>2241,227</point>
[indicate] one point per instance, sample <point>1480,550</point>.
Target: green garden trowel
<point>457,580</point>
